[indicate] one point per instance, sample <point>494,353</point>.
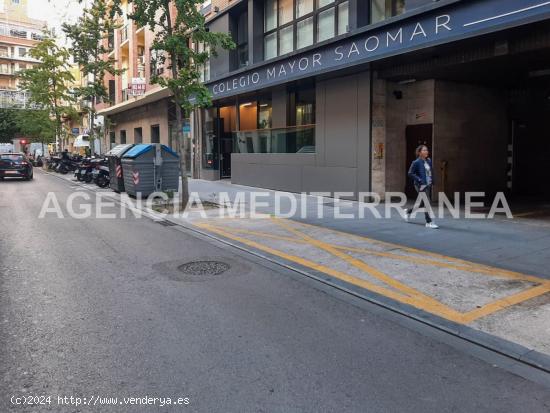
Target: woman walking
<point>421,172</point>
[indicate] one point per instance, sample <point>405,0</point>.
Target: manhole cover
<point>204,267</point>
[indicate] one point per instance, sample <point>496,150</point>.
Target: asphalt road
<point>97,307</point>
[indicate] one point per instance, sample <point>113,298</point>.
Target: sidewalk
<point>485,280</point>
<point>520,244</point>
<point>490,275</point>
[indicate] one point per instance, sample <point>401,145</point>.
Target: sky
<point>55,12</point>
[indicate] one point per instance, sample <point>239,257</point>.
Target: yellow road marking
<point>404,293</point>
<point>505,303</point>
<point>472,267</point>
<point>512,274</point>
<point>415,302</point>
<point>373,272</point>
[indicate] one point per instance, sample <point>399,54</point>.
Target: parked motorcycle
<point>84,170</point>
<point>69,164</point>
<point>53,162</point>
<point>101,174</point>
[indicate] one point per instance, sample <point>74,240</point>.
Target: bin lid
<point>138,150</point>
<point>119,150</point>
<point>142,148</point>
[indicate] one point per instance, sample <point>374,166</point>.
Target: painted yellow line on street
<point>404,293</point>
<point>430,304</point>
<point>473,268</point>
<point>505,303</point>
<point>503,272</point>
<point>443,311</point>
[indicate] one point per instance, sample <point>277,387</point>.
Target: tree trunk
<point>92,123</point>
<point>180,144</point>
<point>180,149</point>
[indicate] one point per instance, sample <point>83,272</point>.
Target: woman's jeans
<point>428,192</point>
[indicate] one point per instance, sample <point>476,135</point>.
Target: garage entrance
<point>489,99</point>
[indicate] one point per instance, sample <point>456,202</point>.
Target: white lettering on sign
<point>398,35</point>
<point>374,43</point>
<point>335,57</point>
<point>442,21</point>
<point>419,30</point>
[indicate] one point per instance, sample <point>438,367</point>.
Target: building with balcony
<point>136,111</point>
<point>18,35</point>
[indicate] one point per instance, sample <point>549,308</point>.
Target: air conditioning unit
<point>141,60</point>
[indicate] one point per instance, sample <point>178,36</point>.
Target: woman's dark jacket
<point>417,172</point>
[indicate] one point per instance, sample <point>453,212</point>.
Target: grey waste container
<point>151,167</point>
<point>115,166</point>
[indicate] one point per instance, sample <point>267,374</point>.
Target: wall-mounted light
<point>247,104</point>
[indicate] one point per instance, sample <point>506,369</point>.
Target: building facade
<point>18,35</point>
<point>137,111</point>
<point>335,95</point>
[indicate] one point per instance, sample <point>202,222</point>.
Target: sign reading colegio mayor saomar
<point>456,20</point>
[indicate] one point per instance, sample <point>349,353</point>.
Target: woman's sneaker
<point>406,215</point>
<point>432,225</point>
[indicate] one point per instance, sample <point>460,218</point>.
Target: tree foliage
<point>9,127</point>
<point>179,27</point>
<point>49,80</point>
<point>36,125</point>
<point>89,47</point>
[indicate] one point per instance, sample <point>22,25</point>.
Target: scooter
<point>84,170</point>
<point>101,174</point>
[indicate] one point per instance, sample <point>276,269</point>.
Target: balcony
<point>295,139</point>
<point>6,71</point>
<point>124,33</point>
<point>206,9</point>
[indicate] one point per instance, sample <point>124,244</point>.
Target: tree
<point>48,81</point>
<point>36,125</point>
<point>9,127</point>
<point>89,38</point>
<point>178,26</point>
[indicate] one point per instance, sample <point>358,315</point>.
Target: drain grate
<point>204,267</point>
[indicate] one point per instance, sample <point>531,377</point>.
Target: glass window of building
<point>384,9</point>
<point>343,17</point>
<point>204,69</point>
<point>286,11</point>
<point>304,33</point>
<point>241,40</point>
<point>265,111</point>
<point>270,46</point>
<point>305,106</point>
<point>286,40</point>
<point>270,15</point>
<point>325,25</point>
<point>303,7</point>
<point>294,24</point>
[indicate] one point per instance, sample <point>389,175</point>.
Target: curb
<point>501,346</point>
<point>487,341</point>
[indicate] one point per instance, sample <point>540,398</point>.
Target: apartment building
<point>138,111</point>
<point>18,35</point>
<point>334,95</point>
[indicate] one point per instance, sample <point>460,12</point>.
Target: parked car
<point>15,165</point>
